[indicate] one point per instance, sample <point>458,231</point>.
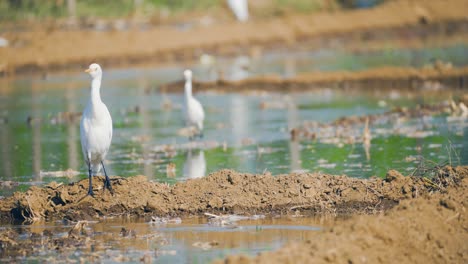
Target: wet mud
<point>427,229</point>
<point>50,48</point>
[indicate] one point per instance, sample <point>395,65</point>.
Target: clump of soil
<point>225,191</point>
<point>429,229</point>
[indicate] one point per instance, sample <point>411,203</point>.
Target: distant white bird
<point>194,114</point>
<point>240,9</point>
<point>195,165</point>
<point>96,129</point>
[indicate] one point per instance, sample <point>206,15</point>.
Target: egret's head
<point>94,70</point>
<point>188,74</point>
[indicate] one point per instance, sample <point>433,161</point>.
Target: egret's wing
<point>198,109</point>
<point>198,114</point>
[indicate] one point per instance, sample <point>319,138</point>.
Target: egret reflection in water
<point>195,164</point>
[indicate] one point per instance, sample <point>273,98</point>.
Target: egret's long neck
<point>188,88</point>
<point>95,90</point>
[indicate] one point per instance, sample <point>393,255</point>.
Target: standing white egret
<point>194,113</point>
<point>96,129</point>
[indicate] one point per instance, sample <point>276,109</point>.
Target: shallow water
<point>188,240</point>
<point>247,132</point>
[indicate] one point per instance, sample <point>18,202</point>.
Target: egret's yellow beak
<point>88,70</point>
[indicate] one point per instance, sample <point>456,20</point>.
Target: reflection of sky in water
<point>239,134</point>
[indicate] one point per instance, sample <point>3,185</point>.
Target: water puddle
<point>192,240</point>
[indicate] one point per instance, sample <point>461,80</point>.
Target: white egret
<point>194,113</point>
<point>96,129</point>
<point>240,9</point>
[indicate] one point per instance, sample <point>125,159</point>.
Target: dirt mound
<point>429,229</point>
<point>225,191</point>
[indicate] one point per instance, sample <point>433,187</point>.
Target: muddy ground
<point>49,48</point>
<point>428,229</point>
<point>433,77</point>
<point>412,219</point>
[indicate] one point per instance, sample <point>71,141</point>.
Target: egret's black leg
<point>200,134</point>
<point>90,190</point>
<point>107,183</point>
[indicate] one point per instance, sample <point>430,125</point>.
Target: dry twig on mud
<point>303,206</point>
<point>428,168</point>
<point>436,176</point>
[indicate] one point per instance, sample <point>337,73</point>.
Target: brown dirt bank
<point>51,49</point>
<point>429,229</point>
<point>429,78</point>
<point>225,191</point>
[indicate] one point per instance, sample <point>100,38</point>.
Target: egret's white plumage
<point>240,9</point>
<point>194,114</point>
<point>95,128</point>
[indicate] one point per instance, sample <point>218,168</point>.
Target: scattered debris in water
<point>347,130</point>
<point>141,138</point>
<point>164,220</point>
<point>8,184</point>
<point>69,173</point>
<point>229,220</point>
<point>79,229</point>
<point>66,118</point>
<point>278,105</point>
<point>127,233</point>
<point>187,131</point>
<point>206,245</point>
